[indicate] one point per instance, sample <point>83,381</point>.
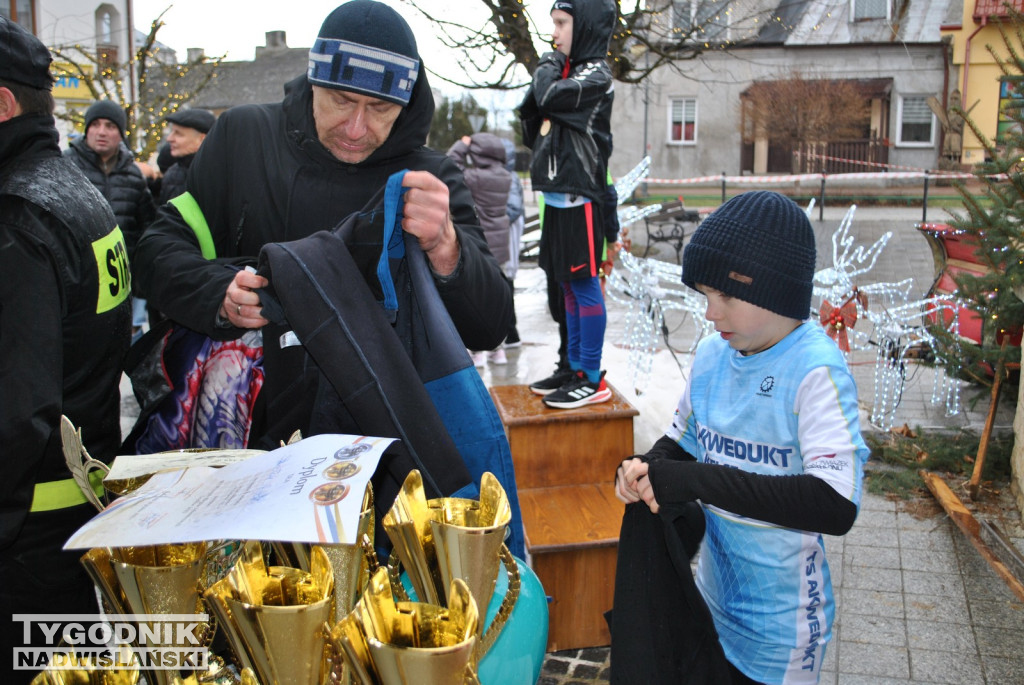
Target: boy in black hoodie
<point>566,119</point>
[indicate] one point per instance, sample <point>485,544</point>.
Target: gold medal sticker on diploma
<point>328,493</point>
<point>545,127</point>
<point>340,470</point>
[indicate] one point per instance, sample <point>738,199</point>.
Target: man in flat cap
<point>288,171</point>
<point>64,329</point>
<point>188,131</point>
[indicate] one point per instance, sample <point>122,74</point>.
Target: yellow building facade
<point>975,45</point>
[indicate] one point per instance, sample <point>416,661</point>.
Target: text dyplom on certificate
<point>309,491</point>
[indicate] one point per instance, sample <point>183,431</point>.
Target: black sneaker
<point>553,382</point>
<point>579,392</point>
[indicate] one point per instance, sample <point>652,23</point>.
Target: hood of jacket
<point>408,133</point>
<point>592,24</point>
<point>486,150</point>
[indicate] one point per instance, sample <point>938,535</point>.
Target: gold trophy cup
<point>384,642</point>
<point>274,617</point>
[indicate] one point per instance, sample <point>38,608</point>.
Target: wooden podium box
<point>565,461</point>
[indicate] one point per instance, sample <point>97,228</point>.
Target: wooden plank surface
<point>517,406</point>
<point>570,517</point>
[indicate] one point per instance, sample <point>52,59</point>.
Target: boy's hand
<point>633,485</point>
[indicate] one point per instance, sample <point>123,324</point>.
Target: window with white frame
<point>707,19</point>
<point>869,9</point>
<point>915,122</point>
<point>682,120</point>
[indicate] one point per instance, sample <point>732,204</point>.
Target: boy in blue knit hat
<point>766,437</point>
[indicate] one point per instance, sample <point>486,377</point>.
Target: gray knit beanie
<point>107,109</point>
<point>758,247</point>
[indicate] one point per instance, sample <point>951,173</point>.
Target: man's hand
<point>632,484</point>
<point>241,303</point>
<point>427,216</point>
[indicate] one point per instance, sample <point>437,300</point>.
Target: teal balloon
<point>517,656</point>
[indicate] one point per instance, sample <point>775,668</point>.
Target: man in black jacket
<point>283,172</point>
<point>188,131</point>
<point>108,163</point>
<point>64,317</point>
<point>110,166</point>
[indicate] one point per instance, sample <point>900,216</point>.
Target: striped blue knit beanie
<point>366,47</point>
<point>758,247</point>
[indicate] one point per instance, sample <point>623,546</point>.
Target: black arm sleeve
<point>802,502</point>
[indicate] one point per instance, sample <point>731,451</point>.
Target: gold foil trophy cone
<point>385,642</point>
<point>274,617</point>
<point>155,579</point>
<point>349,562</point>
<point>445,538</point>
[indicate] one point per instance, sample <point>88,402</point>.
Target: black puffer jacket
<point>573,160</point>
<point>483,165</point>
<point>64,313</point>
<point>125,189</point>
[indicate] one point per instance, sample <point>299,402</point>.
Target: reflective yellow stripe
<point>61,494</point>
<point>115,279</point>
<point>193,215</point>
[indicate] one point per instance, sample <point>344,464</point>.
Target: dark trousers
<point>38,577</point>
<point>556,306</point>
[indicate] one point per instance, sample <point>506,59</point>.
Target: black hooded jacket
<point>574,160</point>
<point>64,313</point>
<point>262,176</point>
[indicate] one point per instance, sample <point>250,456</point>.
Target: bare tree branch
<point>661,32</point>
<point>105,78</point>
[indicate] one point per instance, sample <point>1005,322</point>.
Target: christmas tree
<point>993,221</point>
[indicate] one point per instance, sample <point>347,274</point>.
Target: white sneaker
<point>497,356</point>
<point>479,358</point>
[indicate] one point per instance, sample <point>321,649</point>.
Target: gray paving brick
<point>934,635</point>
<point>948,586</point>
<point>876,630</point>
<point>873,660</point>
<point>872,603</point>
<point>945,667</point>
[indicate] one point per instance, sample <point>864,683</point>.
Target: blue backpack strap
<point>394,246</point>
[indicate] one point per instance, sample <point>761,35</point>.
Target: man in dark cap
<point>65,319</point>
<point>188,131</point>
<point>108,163</point>
<point>283,172</point>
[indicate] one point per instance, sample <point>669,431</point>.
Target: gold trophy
<point>350,563</point>
<point>154,579</point>
<point>442,539</point>
<point>274,617</point>
<point>384,642</point>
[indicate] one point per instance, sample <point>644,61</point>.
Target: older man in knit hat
<point>285,171</point>
<point>65,317</point>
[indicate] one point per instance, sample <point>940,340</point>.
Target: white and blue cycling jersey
<point>788,410</point>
